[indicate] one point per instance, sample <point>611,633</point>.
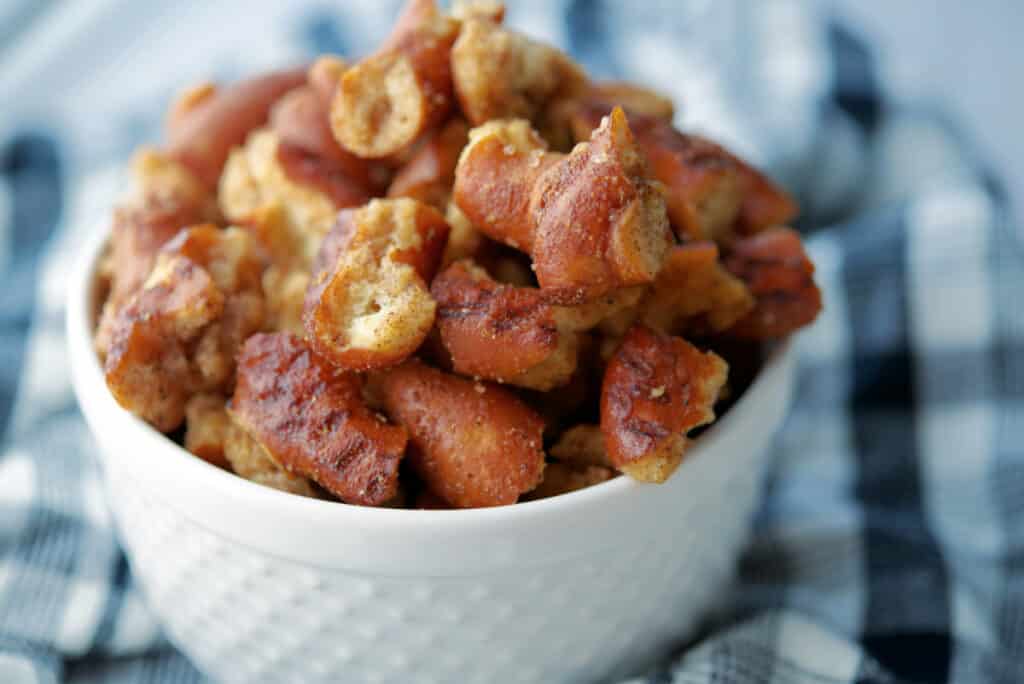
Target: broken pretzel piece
<point>177,336</point>
<point>430,172</point>
<point>693,296</point>
<point>582,445</point>
<point>591,220</point>
<point>248,459</point>
<point>368,305</point>
<point>311,419</point>
<point>501,74</point>
<point>387,100</point>
<point>562,478</point>
<point>289,198</point>
<point>656,389</point>
<point>473,443</point>
<point>510,333</point>
<point>206,427</point>
<point>779,274</point>
<point>165,198</point>
<point>301,123</point>
<point>207,123</point>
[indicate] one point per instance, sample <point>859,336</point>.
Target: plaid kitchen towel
<point>890,546</point>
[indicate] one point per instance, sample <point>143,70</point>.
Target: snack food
<point>454,273</point>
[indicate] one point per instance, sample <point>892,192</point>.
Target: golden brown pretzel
<point>386,101</point>
<point>512,333</point>
<point>473,443</point>
<point>501,74</point>
<point>165,198</point>
<point>781,277</point>
<point>300,121</point>
<point>202,130</point>
<point>311,419</point>
<point>206,427</point>
<point>710,192</point>
<point>368,305</point>
<point>500,332</point>
<point>177,336</point>
<point>430,172</point>
<point>656,389</point>
<point>591,220</point>
<point>288,197</point>
<point>693,296</point>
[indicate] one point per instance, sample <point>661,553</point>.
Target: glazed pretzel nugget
<point>177,336</point>
<point>429,174</point>
<point>513,334</point>
<point>310,417</point>
<point>473,443</point>
<point>206,427</point>
<point>591,220</point>
<point>165,198</point>
<point>710,192</point>
<point>656,389</point>
<point>501,74</point>
<point>389,99</point>
<point>206,122</point>
<point>694,295</point>
<point>368,305</point>
<point>248,459</point>
<point>781,277</point>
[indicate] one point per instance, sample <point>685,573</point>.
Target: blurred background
<point>97,74</point>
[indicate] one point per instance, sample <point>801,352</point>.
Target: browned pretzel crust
<point>429,174</point>
<point>368,305</point>
<point>165,198</point>
<point>500,332</point>
<point>206,427</point>
<point>389,99</point>
<point>656,389</point>
<point>778,272</point>
<point>250,460</point>
<point>591,220</point>
<point>473,443</point>
<point>512,333</point>
<point>300,121</point>
<point>177,336</point>
<point>311,419</point>
<point>693,296</point>
<point>289,198</point>
<point>710,192</point>
<point>207,123</point>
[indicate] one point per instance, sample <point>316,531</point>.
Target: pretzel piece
<point>311,419</point>
<point>368,305</point>
<point>656,389</point>
<point>248,459</point>
<point>206,427</point>
<point>778,272</point>
<point>178,334</point>
<point>386,101</point>
<point>501,74</point>
<point>203,130</point>
<point>430,172</point>
<point>591,220</point>
<point>289,197</point>
<point>473,443</point>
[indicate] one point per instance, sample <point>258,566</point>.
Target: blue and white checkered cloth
<point>890,546</point>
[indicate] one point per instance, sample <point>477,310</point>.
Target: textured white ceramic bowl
<point>260,586</point>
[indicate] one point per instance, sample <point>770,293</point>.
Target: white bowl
<point>258,585</point>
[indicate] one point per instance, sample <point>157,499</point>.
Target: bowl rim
<point>101,409</point>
